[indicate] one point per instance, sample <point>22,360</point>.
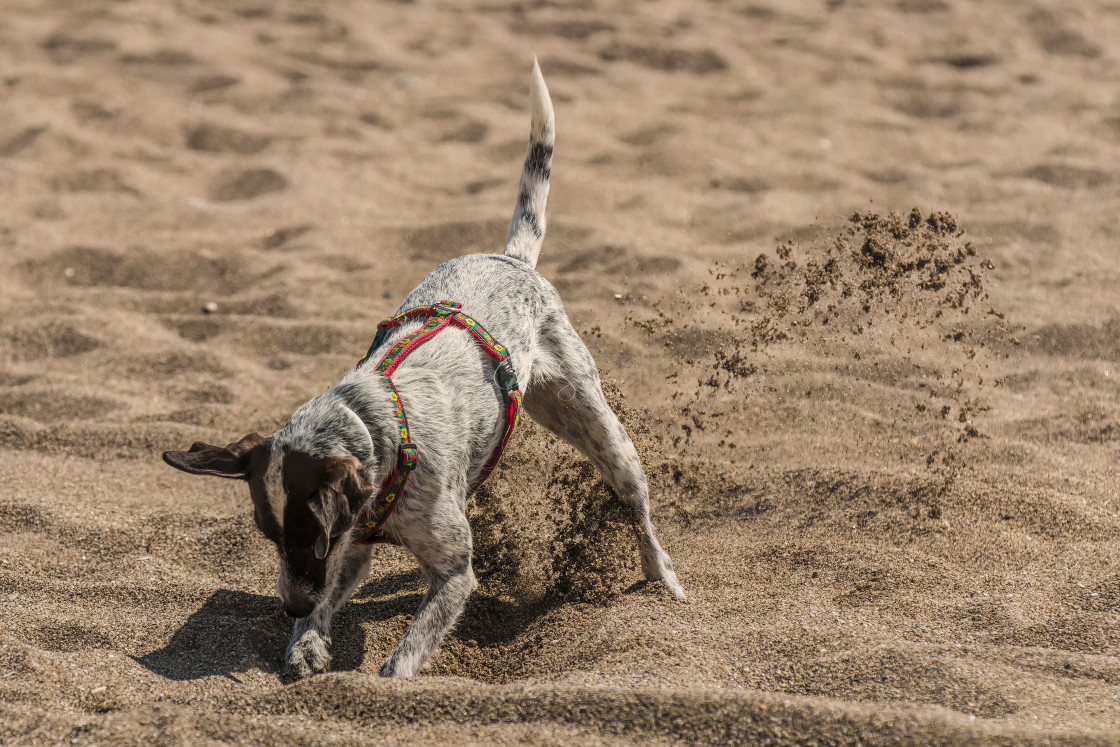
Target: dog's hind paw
<point>307,654</point>
<point>658,567</point>
<point>669,578</point>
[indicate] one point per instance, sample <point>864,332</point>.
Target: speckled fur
<point>456,419</point>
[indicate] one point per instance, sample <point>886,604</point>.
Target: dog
<point>312,481</point>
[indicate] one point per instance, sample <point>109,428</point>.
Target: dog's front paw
<point>397,666</point>
<point>307,654</point>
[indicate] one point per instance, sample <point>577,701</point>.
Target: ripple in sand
<point>52,407</point>
<point>246,184</point>
<point>144,269</point>
<point>21,140</point>
<point>47,339</point>
<point>212,138</point>
<point>92,180</point>
<point>66,48</point>
<point>1069,177</point>
<point>697,61</point>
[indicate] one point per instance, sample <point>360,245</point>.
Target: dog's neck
<point>374,412</point>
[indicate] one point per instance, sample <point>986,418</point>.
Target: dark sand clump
<point>556,533</point>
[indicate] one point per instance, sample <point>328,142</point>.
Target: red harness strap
<point>440,316</point>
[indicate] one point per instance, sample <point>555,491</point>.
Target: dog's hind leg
<point>566,397</point>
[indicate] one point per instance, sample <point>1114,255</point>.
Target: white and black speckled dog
<point>311,480</point>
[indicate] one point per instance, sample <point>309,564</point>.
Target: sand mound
<point>563,538</point>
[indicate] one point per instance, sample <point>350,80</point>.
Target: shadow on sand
<point>235,631</point>
<point>232,631</point>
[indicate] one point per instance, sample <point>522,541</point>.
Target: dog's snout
<point>298,609</point>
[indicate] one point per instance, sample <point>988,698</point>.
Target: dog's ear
<point>203,459</point>
<point>338,500</point>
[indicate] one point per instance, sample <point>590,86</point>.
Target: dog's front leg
<point>438,611</point>
<point>355,568</point>
<point>309,649</point>
<point>445,559</point>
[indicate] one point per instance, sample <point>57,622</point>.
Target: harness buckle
<point>408,456</point>
<point>506,376</point>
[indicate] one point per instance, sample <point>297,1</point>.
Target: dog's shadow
<point>234,631</point>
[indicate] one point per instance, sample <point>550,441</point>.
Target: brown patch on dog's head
<point>321,495</point>
<point>302,503</point>
<point>322,499</point>
<point>331,491</point>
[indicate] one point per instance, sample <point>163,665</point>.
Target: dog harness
<point>440,317</point>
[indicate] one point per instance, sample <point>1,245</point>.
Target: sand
<point>881,443</point>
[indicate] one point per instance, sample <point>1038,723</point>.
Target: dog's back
<point>503,292</point>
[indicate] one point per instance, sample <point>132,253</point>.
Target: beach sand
<point>881,443</point>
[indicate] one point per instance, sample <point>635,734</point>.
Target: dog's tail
<point>526,230</point>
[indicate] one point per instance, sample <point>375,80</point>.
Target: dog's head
<point>305,504</point>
